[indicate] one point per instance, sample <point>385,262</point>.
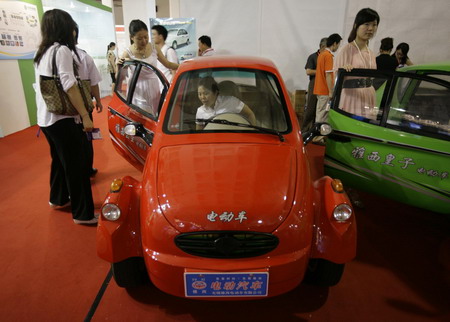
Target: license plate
<point>245,284</point>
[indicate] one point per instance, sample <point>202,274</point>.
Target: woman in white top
<point>215,104</point>
<point>69,177</point>
<point>147,91</point>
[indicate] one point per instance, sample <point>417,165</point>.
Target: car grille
<point>226,244</point>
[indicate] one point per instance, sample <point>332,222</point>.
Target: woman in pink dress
<point>358,94</point>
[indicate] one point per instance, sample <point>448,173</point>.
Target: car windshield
<point>203,98</point>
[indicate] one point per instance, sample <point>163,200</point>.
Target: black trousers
<point>310,113</point>
<point>69,175</point>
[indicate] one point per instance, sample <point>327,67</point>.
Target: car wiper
<point>260,129</point>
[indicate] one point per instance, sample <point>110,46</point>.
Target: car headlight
<point>342,212</point>
<point>111,211</point>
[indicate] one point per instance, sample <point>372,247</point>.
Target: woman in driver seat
<point>215,104</point>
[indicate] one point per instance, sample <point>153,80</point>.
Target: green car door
<point>392,135</point>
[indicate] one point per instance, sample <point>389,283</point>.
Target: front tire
<point>323,273</point>
<point>174,45</point>
<point>130,272</point>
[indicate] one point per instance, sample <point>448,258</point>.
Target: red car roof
<point>227,61</point>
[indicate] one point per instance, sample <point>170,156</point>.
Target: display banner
<point>19,30</point>
<point>181,35</point>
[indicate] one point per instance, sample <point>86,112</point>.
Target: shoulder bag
<point>56,98</point>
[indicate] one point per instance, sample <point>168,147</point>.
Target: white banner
<point>19,30</point>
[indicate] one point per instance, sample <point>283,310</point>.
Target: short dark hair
<point>161,30</point>
<point>209,83</point>
<point>387,44</point>
<point>363,16</point>
<point>205,40</point>
<point>334,38</point>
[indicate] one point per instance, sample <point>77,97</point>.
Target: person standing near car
<point>324,82</point>
<point>88,71</point>
<point>204,46</point>
<point>159,36</point>
<point>384,60</point>
<point>358,95</point>
<point>111,57</point>
<point>69,178</point>
<point>310,67</point>
<point>401,54</point>
<point>147,88</point>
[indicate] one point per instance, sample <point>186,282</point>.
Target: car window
<point>146,97</point>
<point>361,98</point>
<point>123,81</point>
<point>444,77</point>
<point>147,93</point>
<point>258,90</point>
<point>423,108</point>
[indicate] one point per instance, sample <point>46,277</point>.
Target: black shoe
<point>93,172</point>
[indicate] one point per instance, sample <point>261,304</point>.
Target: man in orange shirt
<point>324,85</point>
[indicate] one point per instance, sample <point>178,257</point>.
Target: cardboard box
<point>298,101</point>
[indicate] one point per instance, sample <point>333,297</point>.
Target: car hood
<point>226,186</point>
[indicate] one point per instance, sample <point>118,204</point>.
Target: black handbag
<point>56,98</point>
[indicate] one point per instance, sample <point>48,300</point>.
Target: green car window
<point>421,107</point>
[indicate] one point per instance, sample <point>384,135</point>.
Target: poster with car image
<point>19,30</point>
<point>181,35</point>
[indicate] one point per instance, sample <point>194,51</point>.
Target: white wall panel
<point>287,31</point>
<point>284,31</point>
<point>13,107</point>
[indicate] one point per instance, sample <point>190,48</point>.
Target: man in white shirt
<point>159,36</point>
<point>204,46</point>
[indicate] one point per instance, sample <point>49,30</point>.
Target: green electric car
<point>396,141</point>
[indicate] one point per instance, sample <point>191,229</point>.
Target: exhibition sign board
<point>181,35</point>
<point>19,30</point>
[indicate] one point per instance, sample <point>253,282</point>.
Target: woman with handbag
<point>59,110</point>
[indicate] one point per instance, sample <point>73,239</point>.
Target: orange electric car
<point>227,206</point>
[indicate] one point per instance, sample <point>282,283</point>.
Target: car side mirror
<point>137,129</point>
<point>318,129</point>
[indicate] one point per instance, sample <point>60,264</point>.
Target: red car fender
<point>332,240</point>
<point>121,239</point>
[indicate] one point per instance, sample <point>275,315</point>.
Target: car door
<point>399,147</point>
<point>137,100</point>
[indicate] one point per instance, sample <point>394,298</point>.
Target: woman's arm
<point>95,91</point>
<point>77,101</point>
